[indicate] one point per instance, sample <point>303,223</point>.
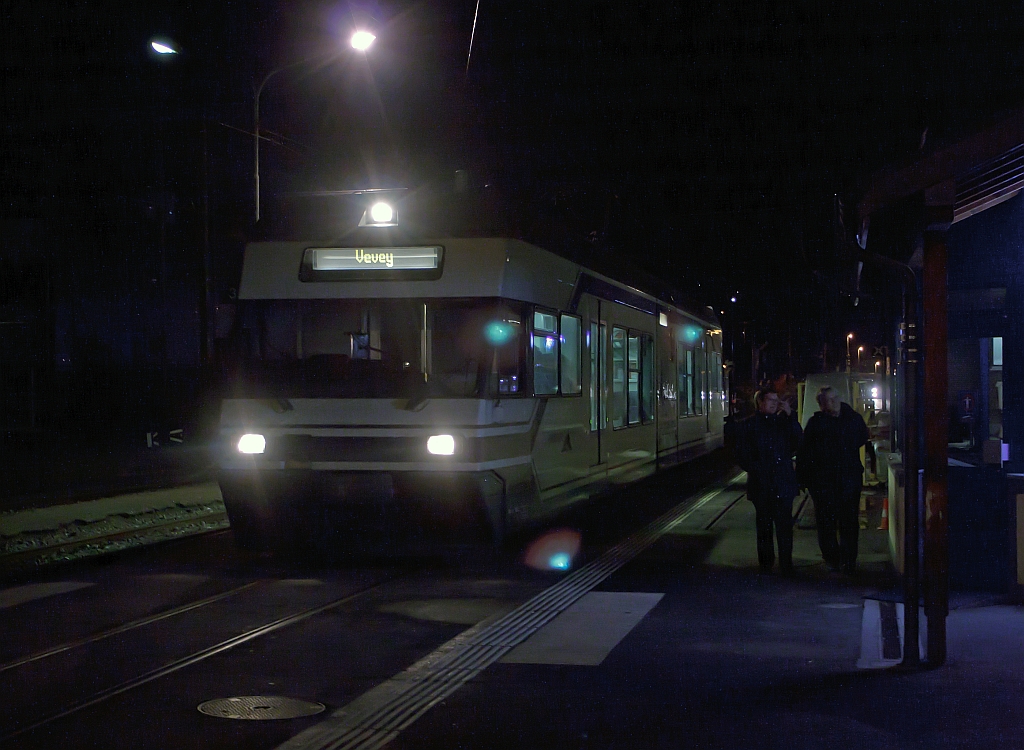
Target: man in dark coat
<point>765,445</point>
<point>828,464</point>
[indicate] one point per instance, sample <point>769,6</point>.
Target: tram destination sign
<point>352,263</point>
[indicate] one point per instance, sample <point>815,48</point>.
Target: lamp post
<point>164,50</point>
<point>860,349</point>
<point>360,40</point>
<point>849,338</point>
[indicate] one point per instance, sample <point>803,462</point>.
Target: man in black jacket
<point>828,464</point>
<point>765,445</point>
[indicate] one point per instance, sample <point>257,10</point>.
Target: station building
<point>955,219</point>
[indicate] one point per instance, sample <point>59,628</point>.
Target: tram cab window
<point>383,348</point>
<point>474,349</point>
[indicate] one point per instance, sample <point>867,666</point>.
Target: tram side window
<point>684,374</point>
<point>571,373</point>
<point>634,379</point>
<point>647,365</point>
<point>700,376</point>
<point>598,345</point>
<point>691,370</point>
<point>618,377</point>
<point>545,354</point>
<point>595,354</point>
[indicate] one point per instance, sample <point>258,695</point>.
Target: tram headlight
<point>252,443</point>
<point>441,445</point>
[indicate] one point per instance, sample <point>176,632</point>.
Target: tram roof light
<point>380,214</point>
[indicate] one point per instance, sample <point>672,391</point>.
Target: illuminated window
<point>691,368</point>
<point>545,354</point>
<point>647,365</point>
<point>619,376</point>
<point>594,348</point>
<point>571,374</point>
<point>633,399</point>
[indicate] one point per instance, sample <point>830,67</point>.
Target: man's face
<point>770,403</point>
<point>830,404</point>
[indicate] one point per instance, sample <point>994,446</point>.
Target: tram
<point>440,380</point>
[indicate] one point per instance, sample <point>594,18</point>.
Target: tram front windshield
<point>377,348</point>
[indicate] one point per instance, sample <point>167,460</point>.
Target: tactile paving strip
<point>376,718</point>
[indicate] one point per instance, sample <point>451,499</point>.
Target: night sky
<point>712,137</point>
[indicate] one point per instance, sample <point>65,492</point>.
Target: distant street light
<point>361,40</point>
<point>162,49</point>
<point>849,338</point>
<point>860,349</point>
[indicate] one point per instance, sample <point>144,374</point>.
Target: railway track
<point>44,550</point>
<point>9,670</point>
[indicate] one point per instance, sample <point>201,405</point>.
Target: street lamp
<point>163,47</point>
<point>859,350</point>
<point>360,40</point>
<point>849,338</point>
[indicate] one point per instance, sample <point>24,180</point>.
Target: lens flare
<point>499,332</point>
<point>555,550</point>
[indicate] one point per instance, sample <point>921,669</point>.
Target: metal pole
<point>256,144</point>
<point>911,512</point>
<point>936,425</point>
<point>256,121</point>
<point>206,345</point>
<point>911,500</point>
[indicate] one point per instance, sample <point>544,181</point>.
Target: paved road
<point>659,632</point>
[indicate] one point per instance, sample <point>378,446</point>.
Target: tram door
<point>597,379</point>
<point>565,449</point>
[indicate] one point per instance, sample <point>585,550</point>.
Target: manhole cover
<point>259,707</point>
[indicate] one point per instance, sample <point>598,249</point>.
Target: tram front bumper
<point>417,501</point>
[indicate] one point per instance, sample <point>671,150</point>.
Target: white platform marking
<point>585,633</point>
<point>21,594</point>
